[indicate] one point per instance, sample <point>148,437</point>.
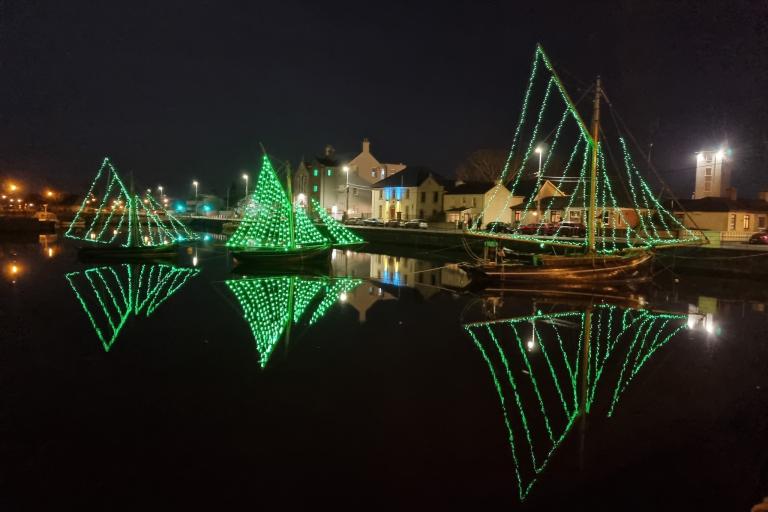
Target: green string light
<point>111,294</point>
<point>638,333</point>
<point>340,234</point>
<point>271,304</point>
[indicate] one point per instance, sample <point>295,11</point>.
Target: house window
<point>761,221</point>
<point>383,173</point>
<point>423,197</point>
<point>746,223</point>
<point>380,214</point>
<point>407,193</point>
<point>708,171</point>
<point>554,217</point>
<point>435,195</point>
<point>373,173</point>
<point>732,222</point>
<point>354,192</point>
<point>708,157</point>
<point>315,172</point>
<point>474,202</point>
<point>381,194</point>
<point>517,215</point>
<point>421,212</point>
<point>314,188</point>
<point>707,186</point>
<point>575,216</point>
<point>330,172</point>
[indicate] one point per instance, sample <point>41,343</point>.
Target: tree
<point>482,165</point>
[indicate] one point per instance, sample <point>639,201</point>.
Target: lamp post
<point>160,189</point>
<point>346,171</point>
<point>195,183</point>
<point>245,177</point>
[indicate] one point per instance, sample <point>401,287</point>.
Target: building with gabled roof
<point>413,193</point>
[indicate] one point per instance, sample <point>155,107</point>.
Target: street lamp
<point>540,151</point>
<point>195,183</point>
<point>346,171</point>
<point>245,177</point>
<point>160,189</point>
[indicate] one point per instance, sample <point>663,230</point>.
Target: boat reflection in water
<point>550,369</point>
<point>109,295</point>
<point>271,305</point>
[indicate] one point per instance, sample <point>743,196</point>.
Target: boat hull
<point>567,271</point>
<point>108,253</point>
<point>255,261</point>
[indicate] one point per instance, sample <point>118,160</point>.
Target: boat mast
<point>591,224</point>
<point>292,214</point>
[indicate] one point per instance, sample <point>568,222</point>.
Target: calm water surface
<point>381,386</point>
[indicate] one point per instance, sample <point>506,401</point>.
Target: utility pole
<point>591,224</point>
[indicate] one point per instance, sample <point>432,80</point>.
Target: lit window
<point>708,157</point>
<point>708,171</point>
<point>746,222</point>
<point>383,172</point>
<point>373,173</point>
<point>732,222</point>
<point>330,172</point>
<point>314,188</point>
<point>517,215</point>
<point>315,172</point>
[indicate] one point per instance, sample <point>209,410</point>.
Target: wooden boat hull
<point>108,253</point>
<point>567,271</point>
<point>269,260</point>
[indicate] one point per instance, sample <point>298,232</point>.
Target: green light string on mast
<point>528,152</point>
<point>265,224</point>
<point>617,207</point>
<point>520,122</point>
<point>306,232</point>
<point>661,211</point>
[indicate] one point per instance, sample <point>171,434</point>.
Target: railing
<point>735,236</point>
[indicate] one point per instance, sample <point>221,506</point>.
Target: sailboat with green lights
<point>585,209</point>
<point>123,225</point>
<point>275,233</point>
<point>272,305</point>
<point>111,295</point>
<point>551,370</point>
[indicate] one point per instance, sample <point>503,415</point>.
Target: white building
<point>713,174</point>
<point>465,201</point>
<point>413,193</point>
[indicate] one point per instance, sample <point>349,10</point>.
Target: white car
<point>416,224</point>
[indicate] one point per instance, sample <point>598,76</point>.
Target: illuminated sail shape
<point>540,190</point>
<point>271,305</point>
<point>334,289</point>
<point>306,232</point>
<point>547,372</point>
<point>266,308</point>
<point>339,233</point>
<point>109,202</point>
<point>166,226</point>
<point>306,292</point>
<point>108,291</point>
<point>267,219</point>
<point>109,295</point>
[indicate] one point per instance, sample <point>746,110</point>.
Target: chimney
<point>366,146</point>
<point>763,195</point>
<point>731,193</point>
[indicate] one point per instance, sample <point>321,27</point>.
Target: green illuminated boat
<point>585,207</point>
<point>276,234</point>
<point>115,224</point>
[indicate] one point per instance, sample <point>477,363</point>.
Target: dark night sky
<point>176,90</point>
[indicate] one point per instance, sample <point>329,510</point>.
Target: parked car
<point>416,224</point>
<point>572,229</point>
<point>497,227</point>
<point>393,223</point>
<point>373,222</point>
<point>760,237</point>
<point>353,221</point>
<point>543,228</point>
